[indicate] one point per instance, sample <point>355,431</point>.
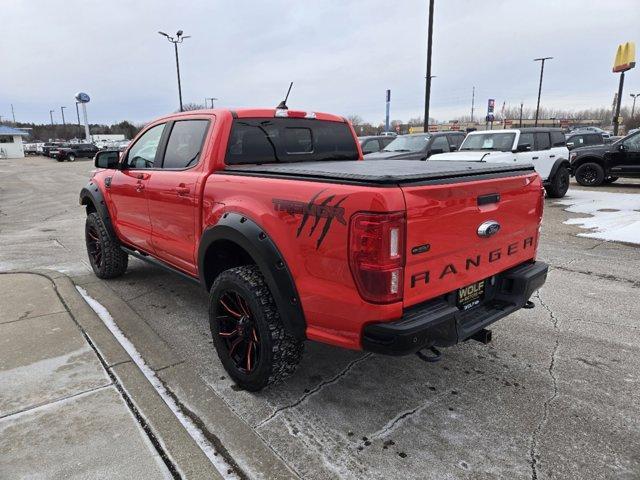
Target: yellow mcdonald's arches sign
<point>625,57</point>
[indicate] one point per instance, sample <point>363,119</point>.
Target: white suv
<point>545,148</point>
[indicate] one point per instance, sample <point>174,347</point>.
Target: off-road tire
<point>610,180</point>
<point>589,174</point>
<point>114,260</point>
<point>559,184</point>
<point>279,352</point>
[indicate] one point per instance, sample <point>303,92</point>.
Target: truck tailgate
<point>445,252</point>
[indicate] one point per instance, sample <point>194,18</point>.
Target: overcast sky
<point>341,54</point>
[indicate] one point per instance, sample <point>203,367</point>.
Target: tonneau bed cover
<point>382,172</point>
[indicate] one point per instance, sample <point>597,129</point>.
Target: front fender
<point>252,239</point>
<point>91,196</point>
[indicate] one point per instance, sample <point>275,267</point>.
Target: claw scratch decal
<point>319,211</point>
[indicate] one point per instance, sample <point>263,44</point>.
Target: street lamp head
<point>179,33</point>
<point>162,33</point>
<point>542,58</point>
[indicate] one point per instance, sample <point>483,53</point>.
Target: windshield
<point>502,142</point>
<point>408,143</point>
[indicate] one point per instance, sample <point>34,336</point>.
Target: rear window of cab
<point>286,140</point>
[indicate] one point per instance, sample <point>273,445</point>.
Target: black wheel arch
<point>91,197</point>
<point>588,159</point>
<point>237,240</point>
<point>561,162</point>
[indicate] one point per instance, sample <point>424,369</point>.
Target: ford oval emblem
<point>488,228</point>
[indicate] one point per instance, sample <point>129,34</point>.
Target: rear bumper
<point>440,323</point>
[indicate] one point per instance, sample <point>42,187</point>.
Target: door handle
<point>182,190</point>
<point>552,156</point>
<point>139,176</point>
<point>534,158</point>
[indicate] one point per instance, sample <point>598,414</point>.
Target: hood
<point>473,156</point>
<point>601,149</point>
<point>395,156</point>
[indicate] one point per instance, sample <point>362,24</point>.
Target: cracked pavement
<point>555,395</point>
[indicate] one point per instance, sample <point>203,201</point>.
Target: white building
<point>11,142</point>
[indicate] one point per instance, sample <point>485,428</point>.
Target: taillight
<point>281,112</point>
<point>376,255</point>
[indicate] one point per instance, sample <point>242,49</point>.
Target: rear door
<point>444,250</point>
<point>172,193</point>
<point>544,157</point>
<point>127,190</point>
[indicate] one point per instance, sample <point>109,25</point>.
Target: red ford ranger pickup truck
<point>295,237</point>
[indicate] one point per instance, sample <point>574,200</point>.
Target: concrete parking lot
<point>555,395</point>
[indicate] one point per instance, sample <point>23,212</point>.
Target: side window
<point>594,139</point>
<point>526,139</point>
<point>440,143</point>
<point>185,142</point>
<point>456,140</point>
<point>370,146</point>
<point>633,143</point>
<point>387,140</point>
<point>143,153</point>
<point>542,141</point>
<point>557,139</point>
<point>578,140</point>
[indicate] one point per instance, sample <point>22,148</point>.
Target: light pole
<point>427,90</point>
<point>51,115</point>
<point>543,59</point>
<point>209,98</point>
<point>62,111</point>
<point>633,107</point>
<point>473,98</point>
<point>178,39</point>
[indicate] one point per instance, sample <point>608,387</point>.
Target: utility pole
<point>51,115</point>
<point>64,124</point>
<point>521,104</point>
<point>633,107</point>
<point>388,106</point>
<point>543,59</point>
<point>209,98</point>
<point>13,114</point>
<point>427,91</point>
<point>473,97</point>
<point>179,39</point>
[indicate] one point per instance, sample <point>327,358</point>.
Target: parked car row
<point>71,151</point>
<point>545,148</point>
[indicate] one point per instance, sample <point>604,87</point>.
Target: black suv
<point>593,166</point>
<point>419,146</point>
<point>71,151</point>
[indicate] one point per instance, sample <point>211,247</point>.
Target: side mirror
<point>524,147</point>
<point>622,147</point>
<point>107,159</point>
<point>570,145</point>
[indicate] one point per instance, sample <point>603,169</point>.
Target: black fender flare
<point>561,162</point>
<point>91,194</point>
<point>249,236</point>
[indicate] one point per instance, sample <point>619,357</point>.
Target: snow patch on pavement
<point>614,216</point>
<point>221,465</point>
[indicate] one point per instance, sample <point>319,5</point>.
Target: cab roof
<point>258,113</point>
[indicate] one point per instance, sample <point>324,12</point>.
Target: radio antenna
<point>283,104</point>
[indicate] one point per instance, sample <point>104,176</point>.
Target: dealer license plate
<point>471,295</point>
